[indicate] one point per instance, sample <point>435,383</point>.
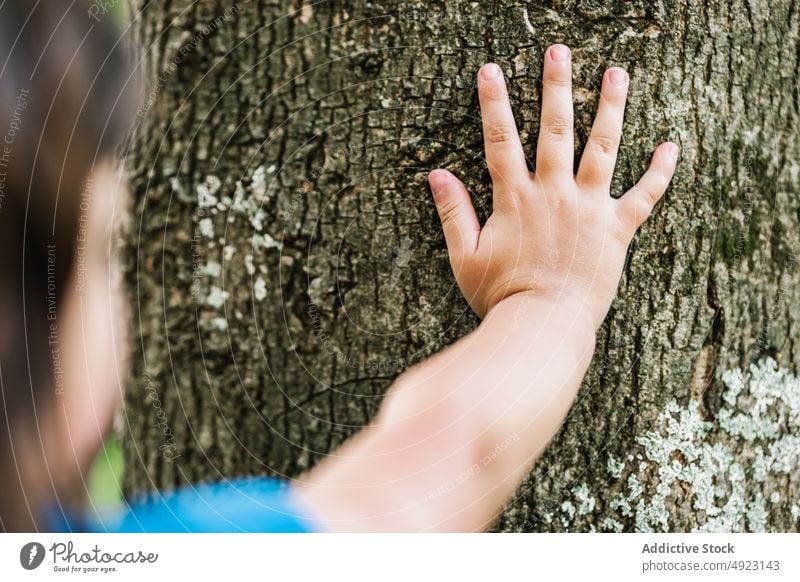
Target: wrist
<point>569,310</point>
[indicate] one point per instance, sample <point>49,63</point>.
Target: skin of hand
<point>456,434</point>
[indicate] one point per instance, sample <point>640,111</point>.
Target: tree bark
<point>286,262</point>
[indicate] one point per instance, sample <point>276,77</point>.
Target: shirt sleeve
<point>235,506</point>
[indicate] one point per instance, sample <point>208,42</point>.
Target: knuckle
<point>652,194</point>
<point>499,134</point>
<point>591,171</point>
<point>652,190</point>
<point>603,144</point>
<point>557,126</point>
<point>503,177</point>
<point>644,206</point>
<point>558,80</point>
<point>550,162</point>
<point>638,210</point>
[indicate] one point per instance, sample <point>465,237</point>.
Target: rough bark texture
<point>286,262</point>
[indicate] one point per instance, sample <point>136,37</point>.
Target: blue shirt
<point>235,506</point>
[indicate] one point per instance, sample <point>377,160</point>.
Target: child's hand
<point>552,233</point>
<point>557,244</point>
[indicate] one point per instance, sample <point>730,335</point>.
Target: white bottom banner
<point>390,557</point>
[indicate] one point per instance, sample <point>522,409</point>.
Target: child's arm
<point>457,433</point>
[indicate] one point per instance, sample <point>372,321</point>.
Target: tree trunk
<point>286,262</point>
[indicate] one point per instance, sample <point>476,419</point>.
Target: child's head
<point>63,107</point>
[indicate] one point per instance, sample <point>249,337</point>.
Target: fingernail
<point>672,151</point>
<point>617,76</point>
<point>559,52</point>
<point>490,72</point>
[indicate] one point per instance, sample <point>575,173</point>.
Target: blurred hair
<point>64,106</point>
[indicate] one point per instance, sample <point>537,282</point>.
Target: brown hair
<point>64,106</point>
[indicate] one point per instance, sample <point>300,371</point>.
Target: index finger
<point>504,153</point>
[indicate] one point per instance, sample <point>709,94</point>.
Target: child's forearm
<point>457,433</point>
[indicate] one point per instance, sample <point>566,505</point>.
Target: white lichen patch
<point>239,196</point>
<point>257,220</point>
<point>264,240</point>
<point>248,264</point>
<point>622,505</point>
<point>757,514</point>
<point>720,467</point>
<point>610,524</point>
<point>206,192</point>
<point>260,289</point>
<point>634,488</point>
<point>216,297</point>
<point>212,269</point>
<point>586,500</point>
<point>615,467</point>
<point>207,227</point>
<point>251,205</point>
<point>245,203</point>
<point>568,513</point>
<point>258,183</point>
<point>175,184</point>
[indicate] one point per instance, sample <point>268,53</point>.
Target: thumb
<point>637,204</point>
<point>459,222</point>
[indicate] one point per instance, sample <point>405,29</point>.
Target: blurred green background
<point>104,481</point>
